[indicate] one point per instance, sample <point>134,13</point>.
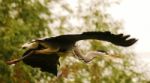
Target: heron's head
<point>30,45</point>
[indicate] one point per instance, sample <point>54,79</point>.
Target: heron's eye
<point>23,47</point>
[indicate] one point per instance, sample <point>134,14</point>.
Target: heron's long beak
<point>19,59</point>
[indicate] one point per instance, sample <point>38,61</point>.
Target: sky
<point>135,15</point>
<point>136,19</point>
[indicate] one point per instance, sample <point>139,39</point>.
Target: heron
<point>45,53</point>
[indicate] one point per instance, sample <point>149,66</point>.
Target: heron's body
<point>47,62</point>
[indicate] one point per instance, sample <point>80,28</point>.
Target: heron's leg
<point>89,56</point>
<point>79,55</point>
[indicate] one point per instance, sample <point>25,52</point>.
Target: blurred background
<point>135,17</point>
<point>21,21</point>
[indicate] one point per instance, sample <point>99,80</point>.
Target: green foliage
<point>24,20</point>
<point>20,21</point>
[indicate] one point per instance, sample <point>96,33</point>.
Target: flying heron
<point>44,53</point>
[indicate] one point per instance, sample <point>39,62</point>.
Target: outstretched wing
<point>117,39</point>
<point>46,62</point>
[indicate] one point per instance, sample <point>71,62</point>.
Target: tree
<point>22,21</point>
